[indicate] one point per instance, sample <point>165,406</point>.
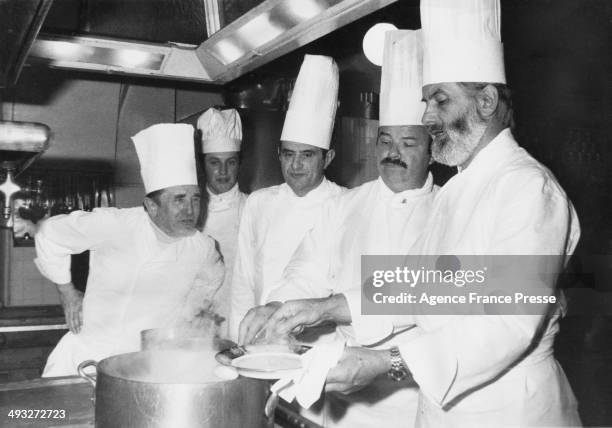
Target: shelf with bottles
<point>59,187</point>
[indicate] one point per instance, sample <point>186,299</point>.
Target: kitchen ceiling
<point>211,41</point>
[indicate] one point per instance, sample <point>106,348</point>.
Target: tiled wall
<point>27,286</point>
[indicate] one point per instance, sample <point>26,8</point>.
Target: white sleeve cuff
<point>368,329</point>
<point>432,369</point>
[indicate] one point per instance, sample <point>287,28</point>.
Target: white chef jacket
<point>139,278</point>
<point>274,222</point>
<point>496,370</point>
<point>222,223</point>
<point>367,220</point>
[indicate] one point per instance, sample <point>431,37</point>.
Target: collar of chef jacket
<point>160,235</point>
<point>315,196</point>
<point>392,218</point>
<point>156,244</point>
<point>401,199</point>
<point>498,151</point>
<point>222,200</point>
<point>489,157</point>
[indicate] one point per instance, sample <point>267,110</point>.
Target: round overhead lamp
<point>374,42</point>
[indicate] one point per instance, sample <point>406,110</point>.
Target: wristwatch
<point>398,370</point>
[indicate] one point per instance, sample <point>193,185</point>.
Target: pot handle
<point>271,404</point>
<point>272,400</point>
<point>81,369</point>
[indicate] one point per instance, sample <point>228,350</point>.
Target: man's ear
<point>329,157</point>
<point>487,101</point>
<point>151,207</point>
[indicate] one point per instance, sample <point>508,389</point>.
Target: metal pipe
<point>42,327</point>
<point>6,245</point>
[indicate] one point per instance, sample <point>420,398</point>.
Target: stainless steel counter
<point>67,398</point>
<point>27,336</point>
<point>32,318</point>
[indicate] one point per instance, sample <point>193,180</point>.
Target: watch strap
<point>398,370</point>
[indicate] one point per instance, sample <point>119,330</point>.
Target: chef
<point>221,133</point>
<point>276,219</point>
<point>383,216</point>
<point>149,266</point>
<point>473,371</point>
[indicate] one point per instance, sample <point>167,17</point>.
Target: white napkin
<point>307,384</point>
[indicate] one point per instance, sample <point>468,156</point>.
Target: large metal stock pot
<point>173,389</point>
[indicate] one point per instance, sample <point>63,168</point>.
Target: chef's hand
<point>294,315</point>
<point>72,302</point>
<point>357,368</point>
<point>250,328</point>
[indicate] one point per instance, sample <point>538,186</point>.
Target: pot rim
<point>103,370</point>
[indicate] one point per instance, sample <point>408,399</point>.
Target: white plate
<point>265,365</point>
<point>278,374</point>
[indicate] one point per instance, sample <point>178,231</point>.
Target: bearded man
<point>472,370</point>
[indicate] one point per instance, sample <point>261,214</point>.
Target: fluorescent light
<point>259,31</point>
<point>113,54</point>
<point>304,9</point>
<point>61,50</point>
<point>65,49</point>
<point>265,27</point>
<point>132,58</point>
<point>228,51</point>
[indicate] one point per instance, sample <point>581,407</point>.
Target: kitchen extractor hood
<point>174,61</point>
<point>267,31</point>
<point>20,22</point>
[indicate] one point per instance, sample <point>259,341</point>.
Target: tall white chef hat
<point>167,156</point>
<point>401,82</point>
<point>312,109</point>
<point>221,130</point>
<point>462,41</point>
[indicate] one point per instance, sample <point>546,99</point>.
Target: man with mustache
<point>149,266</point>
<point>473,370</point>
<point>384,216</point>
<point>487,370</point>
<point>276,219</point>
<point>221,137</point>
